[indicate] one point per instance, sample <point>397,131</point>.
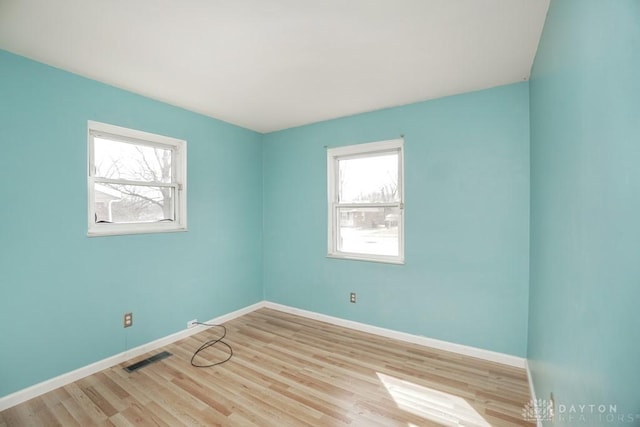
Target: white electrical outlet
<point>192,323</point>
<point>128,320</point>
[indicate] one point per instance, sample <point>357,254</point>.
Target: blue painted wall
<point>62,294</point>
<point>466,278</point>
<point>584,320</point>
<point>467,221</point>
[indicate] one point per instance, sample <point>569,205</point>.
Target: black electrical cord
<point>210,344</point>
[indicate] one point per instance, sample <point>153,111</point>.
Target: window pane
<point>134,162</point>
<point>368,179</point>
<point>368,230</point>
<point>133,203</point>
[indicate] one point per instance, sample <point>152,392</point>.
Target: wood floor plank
<point>61,415</point>
<point>288,370</point>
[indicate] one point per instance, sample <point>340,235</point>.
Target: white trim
<point>136,228</point>
<point>132,135</point>
<point>368,148</point>
<point>532,389</point>
<point>492,356</point>
<point>371,258</point>
<point>38,389</point>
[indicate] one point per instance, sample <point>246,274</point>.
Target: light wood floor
<point>289,371</point>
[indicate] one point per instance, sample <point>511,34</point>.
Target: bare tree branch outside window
<point>138,163</point>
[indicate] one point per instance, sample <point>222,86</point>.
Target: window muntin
<point>136,181</point>
<point>365,199</point>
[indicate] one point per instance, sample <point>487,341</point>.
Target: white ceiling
<point>274,64</point>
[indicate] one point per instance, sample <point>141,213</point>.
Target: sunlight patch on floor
<point>432,405</point>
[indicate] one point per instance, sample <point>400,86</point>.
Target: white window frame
<point>178,149</point>
<point>359,151</point>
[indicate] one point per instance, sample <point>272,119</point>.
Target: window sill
<point>123,231</point>
<point>358,257</point>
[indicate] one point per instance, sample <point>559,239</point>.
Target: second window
<point>365,198</point>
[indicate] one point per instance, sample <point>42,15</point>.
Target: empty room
<point>320,213</point>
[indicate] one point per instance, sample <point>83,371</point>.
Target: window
<point>137,181</point>
<point>365,199</point>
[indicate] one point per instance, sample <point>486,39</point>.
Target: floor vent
<point>147,361</point>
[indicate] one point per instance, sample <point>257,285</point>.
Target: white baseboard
<point>480,353</point>
<point>69,377</point>
<point>532,389</point>
<point>38,389</point>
